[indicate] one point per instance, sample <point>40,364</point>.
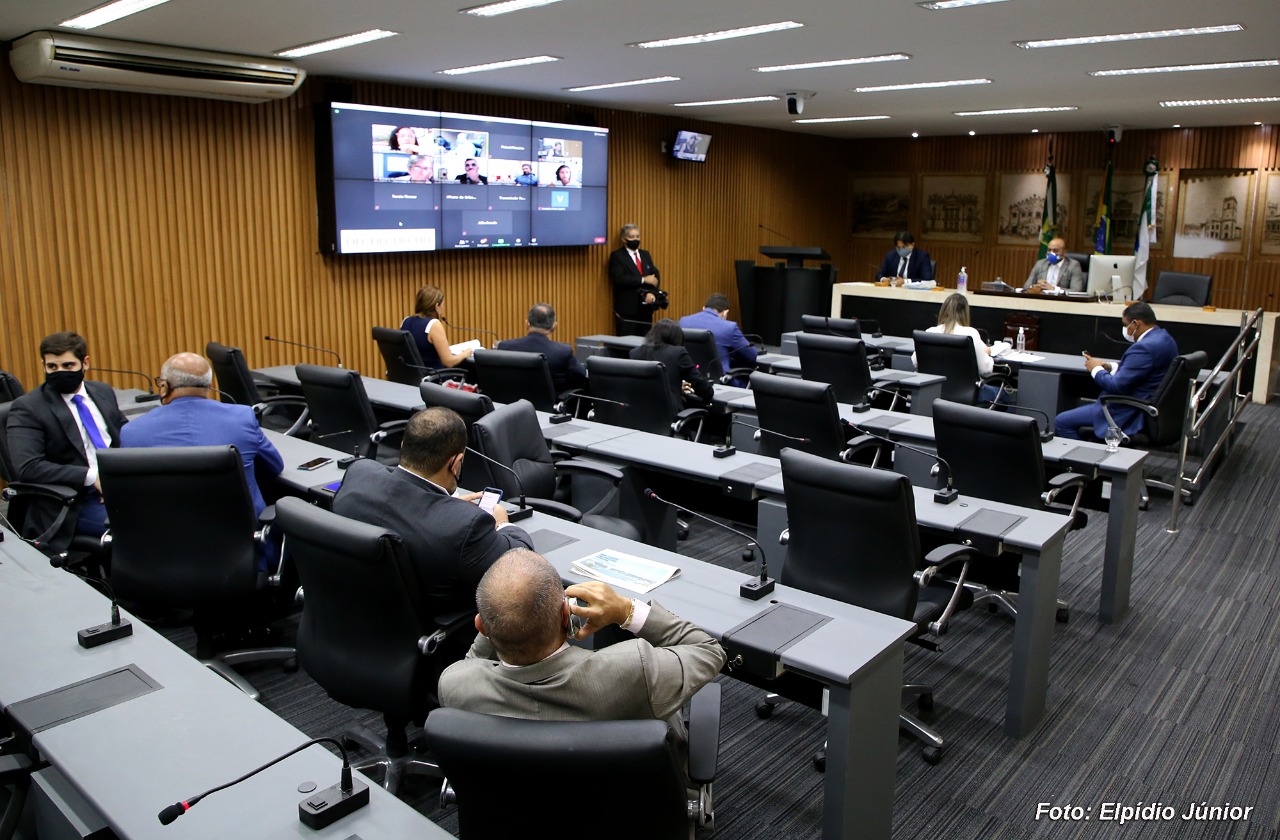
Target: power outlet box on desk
<point>325,807</point>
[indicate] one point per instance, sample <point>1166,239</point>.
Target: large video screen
<point>396,180</point>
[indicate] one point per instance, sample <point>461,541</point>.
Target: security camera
<point>1114,133</point>
<point>796,100</point>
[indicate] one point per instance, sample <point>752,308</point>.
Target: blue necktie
<point>90,427</point>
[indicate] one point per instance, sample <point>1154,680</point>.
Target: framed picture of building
<point>1126,206</point>
<point>1020,211</point>
<point>1269,239</point>
<point>1214,208</point>
<point>953,207</point>
<point>881,206</point>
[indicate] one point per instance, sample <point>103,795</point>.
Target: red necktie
<point>639,267</point>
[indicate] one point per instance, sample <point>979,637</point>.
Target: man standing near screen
<point>1056,271</point>
<point>905,263</point>
<point>635,284</point>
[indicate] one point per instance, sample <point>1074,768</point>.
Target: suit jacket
<point>452,543</point>
<point>1070,277</point>
<point>195,421</point>
<point>627,281</point>
<point>45,444</point>
<point>919,265</point>
<point>1142,369</point>
<point>679,368</point>
<point>730,342</point>
<point>566,371</point>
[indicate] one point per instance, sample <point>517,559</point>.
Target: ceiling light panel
<point>337,43</point>
<point>840,62</point>
<point>102,15</point>
<point>744,100</point>
<point>498,65</point>
<point>1129,36</point>
<point>818,120</point>
<point>654,81</point>
<point>923,85</point>
<point>722,35</point>
<point>492,9</point>
<point>1184,68</point>
<point>996,112</point>
<point>944,5</point>
<point>1192,103</point>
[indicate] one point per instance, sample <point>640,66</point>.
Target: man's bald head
<point>521,604</point>
<point>186,370</point>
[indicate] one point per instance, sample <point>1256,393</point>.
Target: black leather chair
<point>470,407</point>
<point>852,536</point>
<point>800,415</point>
<point>10,387</point>
<point>1181,288</point>
<point>341,416</point>
<point>364,636</point>
<point>404,362</point>
<point>842,363</point>
<point>702,348</point>
<point>508,775</point>
<point>512,436</point>
<point>1083,259</point>
<point>286,414</point>
<point>952,356</point>
<point>846,328</point>
<point>641,388</point>
<point>183,535</point>
<point>507,376</point>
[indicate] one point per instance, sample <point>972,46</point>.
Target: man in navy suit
<point>1138,374</point>
<point>732,345</point>
<point>906,262</point>
<point>635,284</point>
<point>566,371</point>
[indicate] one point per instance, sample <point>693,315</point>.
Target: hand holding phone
<point>489,499</point>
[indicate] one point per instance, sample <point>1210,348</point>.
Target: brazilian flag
<point>1102,223</point>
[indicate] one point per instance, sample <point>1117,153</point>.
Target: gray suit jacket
<point>1070,277</point>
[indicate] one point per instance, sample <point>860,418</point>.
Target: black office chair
<point>1181,288</point>
<point>404,362</point>
<point>237,385</point>
<point>508,376</point>
<point>341,416</point>
<point>801,415</point>
<point>952,356</point>
<point>702,348</point>
<point>852,536</point>
<point>10,387</point>
<point>999,456</point>
<point>367,636</point>
<point>1083,260</point>
<point>508,775</point>
<point>184,535</point>
<point>512,436</point>
<point>842,364</point>
<point>470,407</point>
<point>641,389</point>
<point>847,328</point>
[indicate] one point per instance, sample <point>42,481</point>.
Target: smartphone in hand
<point>489,498</point>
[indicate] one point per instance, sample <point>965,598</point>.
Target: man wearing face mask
<point>635,285</point>
<point>450,540</point>
<point>1138,374</point>
<point>905,263</point>
<point>55,432</point>
<point>1056,271</point>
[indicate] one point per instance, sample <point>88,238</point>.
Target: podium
<point>772,298</point>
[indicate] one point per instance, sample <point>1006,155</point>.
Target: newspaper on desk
<point>464,346</point>
<point>624,570</point>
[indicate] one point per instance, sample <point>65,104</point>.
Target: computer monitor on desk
<point>1104,269</point>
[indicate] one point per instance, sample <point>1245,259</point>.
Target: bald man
<point>1056,271</point>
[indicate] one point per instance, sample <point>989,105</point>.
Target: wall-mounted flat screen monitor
<point>690,145</point>
<point>394,180</point>
<point>1111,276</point>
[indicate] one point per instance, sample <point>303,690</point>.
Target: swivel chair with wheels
<point>847,328</point>
<point>843,364</point>
<point>702,348</point>
<point>801,415</point>
<point>404,362</point>
<point>286,414</point>
<point>634,394</point>
<point>1182,288</point>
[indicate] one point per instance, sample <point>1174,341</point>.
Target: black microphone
<point>224,395</point>
<point>735,420</point>
<point>753,588</point>
<point>525,511</point>
<point>778,232</point>
<point>308,346</point>
<point>1047,434</point>
<point>471,330</point>
<point>947,494</point>
<point>429,371</point>
<point>590,398</point>
<point>149,396</point>
<point>317,811</point>
<point>100,634</point>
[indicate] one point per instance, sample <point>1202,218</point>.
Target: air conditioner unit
<point>60,58</point>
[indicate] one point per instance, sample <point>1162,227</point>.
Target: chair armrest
<point>1001,376</point>
<point>687,416</point>
<point>1066,481</point>
<point>704,734</point>
<point>391,428</point>
<point>446,625</point>
<point>268,515</point>
<point>442,374</point>
<point>870,325</point>
<point>57,492</point>
<point>278,402</point>
<point>1133,402</point>
<point>738,372</point>
<point>942,557</point>
<point>859,444</point>
<point>564,398</point>
<point>553,508</point>
<point>590,468</point>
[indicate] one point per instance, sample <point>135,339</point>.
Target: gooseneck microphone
<point>307,346</point>
<point>776,233</point>
<point>512,516</point>
<point>99,634</point>
<point>149,396</point>
<point>471,330</point>
<point>753,588</point>
<point>947,494</point>
<point>1047,434</point>
<point>318,810</point>
<point>761,430</point>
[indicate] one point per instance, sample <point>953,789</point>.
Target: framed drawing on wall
<point>1214,212</point>
<point>953,207</point>
<point>1126,207</point>
<point>1269,239</point>
<point>1020,210</point>
<point>881,206</point>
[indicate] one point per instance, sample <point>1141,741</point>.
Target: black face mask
<point>65,381</point>
<point>633,244</point>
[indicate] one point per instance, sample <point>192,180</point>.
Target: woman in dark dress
<point>665,343</point>
<point>427,329</point>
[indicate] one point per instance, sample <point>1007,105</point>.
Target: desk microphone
<point>525,511</point>
<point>308,346</point>
<point>317,811</point>
<point>471,330</point>
<point>752,588</point>
<point>149,396</point>
<point>428,371</point>
<point>776,232</point>
<point>100,634</point>
<point>223,395</point>
<point>734,420</point>
<point>947,494</point>
<point>1047,434</point>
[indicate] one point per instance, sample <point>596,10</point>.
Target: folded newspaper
<point>624,570</point>
<point>462,347</point>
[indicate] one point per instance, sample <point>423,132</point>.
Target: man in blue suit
<point>734,349</point>
<point>566,371</point>
<point>1138,374</point>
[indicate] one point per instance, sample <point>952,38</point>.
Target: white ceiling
<point>591,37</point>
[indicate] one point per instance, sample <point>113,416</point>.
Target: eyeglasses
<point>472,166</point>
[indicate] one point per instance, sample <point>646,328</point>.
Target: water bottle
<point>1022,339</point>
<point>962,282</point>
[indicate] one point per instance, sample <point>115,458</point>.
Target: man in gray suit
<point>521,664</point>
<point>1056,271</point>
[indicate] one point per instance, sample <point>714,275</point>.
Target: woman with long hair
<point>426,326</point>
<point>665,343</point>
<point>953,319</point>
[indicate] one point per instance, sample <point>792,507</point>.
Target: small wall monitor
<point>1111,276</point>
<point>690,145</point>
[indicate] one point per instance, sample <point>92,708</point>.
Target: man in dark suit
<point>55,432</point>
<point>450,540</point>
<point>905,263</point>
<point>566,371</point>
<point>635,284</point>
<point>1138,374</point>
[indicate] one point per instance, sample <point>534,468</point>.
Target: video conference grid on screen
<point>424,180</point>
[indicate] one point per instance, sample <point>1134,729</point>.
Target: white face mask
<point>1128,336</point>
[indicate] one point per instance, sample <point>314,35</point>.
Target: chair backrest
<point>511,435</point>
<point>508,376</point>
<point>1181,288</point>
<point>10,387</point>
<point>1170,399</point>
<point>853,534</point>
<point>1083,259</point>
<point>992,454</point>
<point>362,613</point>
<point>508,773</point>
<point>840,362</point>
<point>341,415</point>
<point>701,345</point>
<point>470,407</point>
<point>950,356</point>
<point>234,379</point>
<point>797,414</point>
<point>822,325</point>
<point>182,524</point>
<point>7,472</point>
<point>641,385</point>
<point>400,354</point>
